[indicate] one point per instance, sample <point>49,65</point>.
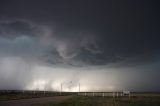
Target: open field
<point>30,98</point>
<point>107,101</point>
<point>15,95</point>
<point>32,101</point>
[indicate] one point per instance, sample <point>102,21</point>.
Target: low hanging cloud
<point>96,44</point>
<point>41,57</point>
<point>74,48</point>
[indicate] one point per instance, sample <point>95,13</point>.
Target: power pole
<point>79,87</point>
<point>44,90</point>
<point>61,89</point>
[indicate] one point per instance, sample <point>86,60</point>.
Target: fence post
<point>113,94</point>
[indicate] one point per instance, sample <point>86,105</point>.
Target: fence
<point>104,94</point>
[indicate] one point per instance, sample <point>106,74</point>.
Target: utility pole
<point>61,89</point>
<point>44,90</point>
<point>79,87</point>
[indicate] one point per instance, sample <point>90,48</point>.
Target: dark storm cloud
<point>13,29</point>
<point>104,35</point>
<point>60,46</point>
<point>121,28</point>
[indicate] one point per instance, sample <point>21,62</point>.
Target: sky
<point>103,45</point>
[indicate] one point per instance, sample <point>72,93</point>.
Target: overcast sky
<point>104,45</point>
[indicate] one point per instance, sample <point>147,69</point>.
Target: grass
<point>4,96</point>
<point>107,101</point>
<point>137,99</point>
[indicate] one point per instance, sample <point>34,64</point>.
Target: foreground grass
<point>107,101</point>
<point>27,95</point>
<point>17,96</point>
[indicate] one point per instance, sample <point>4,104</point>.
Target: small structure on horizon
<point>126,93</point>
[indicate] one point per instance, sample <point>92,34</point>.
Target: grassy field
<point>137,99</point>
<point>12,95</point>
<point>107,101</point>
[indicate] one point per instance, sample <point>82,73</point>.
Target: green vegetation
<point>137,99</point>
<point>107,101</point>
<point>12,95</point>
<point>17,96</point>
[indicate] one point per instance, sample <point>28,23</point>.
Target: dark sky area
<point>105,45</point>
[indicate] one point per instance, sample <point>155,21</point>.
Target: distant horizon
<point>82,91</point>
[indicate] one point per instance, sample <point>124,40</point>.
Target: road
<point>31,102</point>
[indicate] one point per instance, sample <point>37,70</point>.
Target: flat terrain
<point>106,101</point>
<point>84,101</point>
<point>71,99</point>
<point>31,102</point>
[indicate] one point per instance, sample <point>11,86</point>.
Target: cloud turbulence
<point>103,45</point>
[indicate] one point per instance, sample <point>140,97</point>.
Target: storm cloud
<point>103,45</point>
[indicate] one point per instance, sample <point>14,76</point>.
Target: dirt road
<point>31,102</point>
